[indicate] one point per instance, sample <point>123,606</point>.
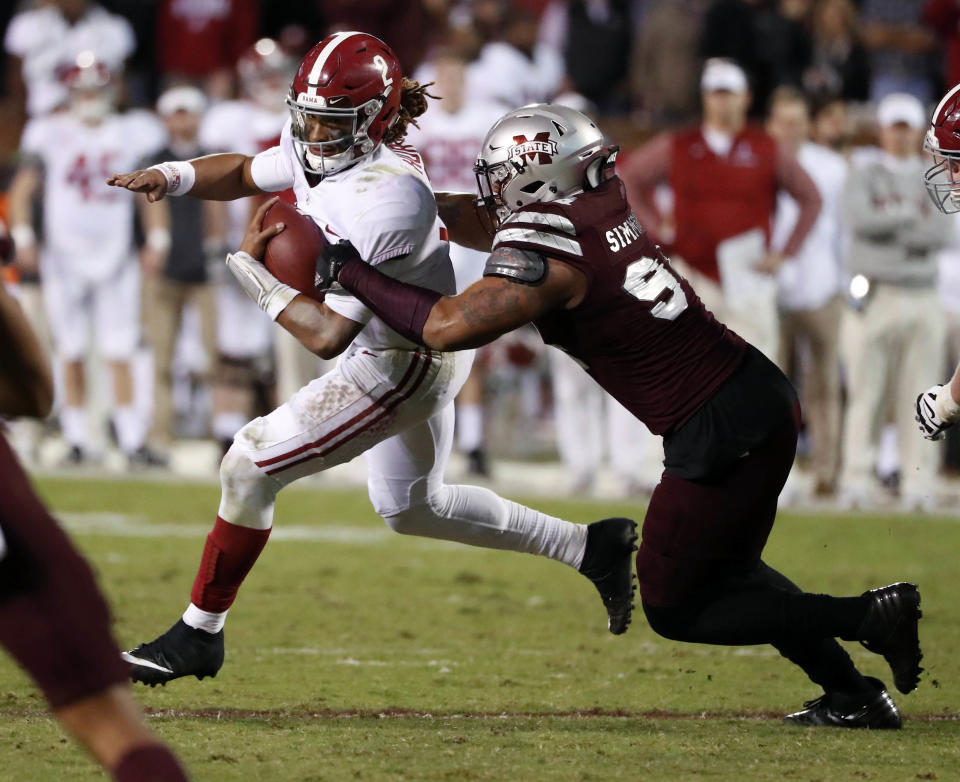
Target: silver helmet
<point>539,153</point>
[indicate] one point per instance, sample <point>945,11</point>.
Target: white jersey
<point>385,206</point>
<point>948,277</point>
<point>44,40</point>
<point>503,74</point>
<point>242,126</point>
<point>450,143</point>
<point>88,225</point>
<point>811,278</point>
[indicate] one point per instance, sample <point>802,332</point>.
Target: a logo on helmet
<point>540,149</point>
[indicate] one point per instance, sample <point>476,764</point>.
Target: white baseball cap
<point>184,98</point>
<point>900,107</point>
<point>722,74</point>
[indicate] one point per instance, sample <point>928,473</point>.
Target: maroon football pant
<point>697,533</point>
<point>699,564</point>
<point>53,619</point>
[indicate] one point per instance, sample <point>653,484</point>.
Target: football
<point>292,254</point>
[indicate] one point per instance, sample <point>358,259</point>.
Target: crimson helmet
<point>943,142</point>
<point>264,71</point>
<point>91,86</point>
<point>344,98</point>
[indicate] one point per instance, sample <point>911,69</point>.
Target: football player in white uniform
<point>90,275</point>
<point>245,335</point>
<point>449,137</point>
<point>341,153</point>
<point>938,408</point>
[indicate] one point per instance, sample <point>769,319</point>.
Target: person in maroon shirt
<point>53,619</point>
<point>724,175</point>
<point>571,257</point>
<point>203,41</point>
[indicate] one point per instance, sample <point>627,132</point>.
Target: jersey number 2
<point>647,279</point>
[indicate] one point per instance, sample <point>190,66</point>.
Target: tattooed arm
<point>490,307</point>
<point>466,220</point>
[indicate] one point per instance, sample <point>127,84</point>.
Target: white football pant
<point>889,348</point>
<point>394,406</point>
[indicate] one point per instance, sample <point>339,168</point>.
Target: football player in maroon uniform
<point>938,408</point>
<point>569,256</point>
<point>53,619</point>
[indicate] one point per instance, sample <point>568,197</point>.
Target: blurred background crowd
<point>773,147</point>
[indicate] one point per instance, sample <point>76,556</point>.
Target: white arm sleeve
<point>271,170</point>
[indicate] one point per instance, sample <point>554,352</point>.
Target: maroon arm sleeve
<point>797,182</point>
<point>402,306</point>
<point>644,169</point>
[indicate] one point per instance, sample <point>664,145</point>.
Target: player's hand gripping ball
<point>292,254</point>
<point>332,261</point>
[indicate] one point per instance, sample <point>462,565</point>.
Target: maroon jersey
<point>640,331</point>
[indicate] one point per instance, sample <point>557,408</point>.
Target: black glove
<point>331,261</point>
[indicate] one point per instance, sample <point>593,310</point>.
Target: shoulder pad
<point>526,266</point>
<point>546,232</point>
<point>550,221</point>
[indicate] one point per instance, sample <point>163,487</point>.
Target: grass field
<point>357,654</point>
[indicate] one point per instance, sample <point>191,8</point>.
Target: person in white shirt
<point>40,39</point>
<point>245,336</point>
<point>898,333</point>
<point>516,69</point>
<point>89,272</point>
<point>449,137</point>
<point>343,154</point>
<point>809,285</point>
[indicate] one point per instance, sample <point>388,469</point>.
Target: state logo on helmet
<point>540,153</point>
<point>943,142</point>
<point>343,100</point>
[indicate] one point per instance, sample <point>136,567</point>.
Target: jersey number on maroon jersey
<point>648,280</point>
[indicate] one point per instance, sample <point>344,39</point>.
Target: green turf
<point>380,657</point>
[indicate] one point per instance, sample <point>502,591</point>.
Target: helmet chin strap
<point>327,165</point>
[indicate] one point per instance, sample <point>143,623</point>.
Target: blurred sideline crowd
<point>772,147</point>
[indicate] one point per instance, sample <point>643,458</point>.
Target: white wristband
<point>946,405</point>
<point>23,236</point>
<point>180,176</point>
<point>158,239</point>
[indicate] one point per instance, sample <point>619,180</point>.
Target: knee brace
<point>247,494</point>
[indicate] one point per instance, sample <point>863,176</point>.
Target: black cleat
<point>890,629</point>
<point>608,563</point>
<point>477,463</point>
<point>75,457</point>
<point>181,651</point>
<point>875,712</point>
<point>145,458</point>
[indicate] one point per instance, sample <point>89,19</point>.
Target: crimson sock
<point>152,763</point>
<point>228,555</point>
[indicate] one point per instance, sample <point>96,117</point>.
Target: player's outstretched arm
<point>489,308</point>
<point>466,221</point>
<point>223,177</point>
<point>26,380</point>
